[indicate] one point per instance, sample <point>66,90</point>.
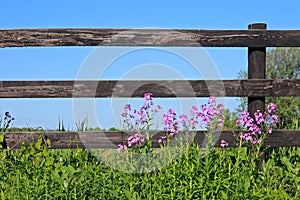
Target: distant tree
<point>113,129</point>
<point>281,63</point>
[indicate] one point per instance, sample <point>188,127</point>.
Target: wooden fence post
<point>256,69</point>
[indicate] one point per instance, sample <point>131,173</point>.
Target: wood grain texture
<point>164,88</point>
<point>256,70</point>
<point>148,37</point>
<point>62,140</point>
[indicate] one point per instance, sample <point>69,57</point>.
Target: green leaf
<point>57,178</point>
<point>1,140</point>
<point>2,195</point>
<point>127,194</point>
<point>287,163</point>
<point>49,161</point>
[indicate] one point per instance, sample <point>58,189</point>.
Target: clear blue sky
<point>64,63</point>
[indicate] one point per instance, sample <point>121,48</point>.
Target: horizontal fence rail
<point>149,37</point>
<point>61,140</point>
<point>161,88</point>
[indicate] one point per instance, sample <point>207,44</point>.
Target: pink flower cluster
<point>223,143</point>
<point>138,120</point>
<point>211,116</point>
<point>135,140</point>
<point>192,122</point>
<point>170,124</point>
<point>252,129</point>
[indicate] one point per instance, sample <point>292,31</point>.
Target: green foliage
<point>1,140</point>
<point>229,120</point>
<point>34,172</point>
<point>281,63</point>
<point>113,129</point>
<point>95,129</point>
<point>285,63</point>
<point>82,125</point>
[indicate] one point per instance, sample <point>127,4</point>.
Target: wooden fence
<point>256,87</point>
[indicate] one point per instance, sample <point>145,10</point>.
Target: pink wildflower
<point>223,143</point>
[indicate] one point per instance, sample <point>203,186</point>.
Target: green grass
<point>230,173</point>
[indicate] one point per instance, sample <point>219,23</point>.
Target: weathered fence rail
<point>108,139</point>
<point>256,87</point>
<point>149,37</point>
<point>165,88</point>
